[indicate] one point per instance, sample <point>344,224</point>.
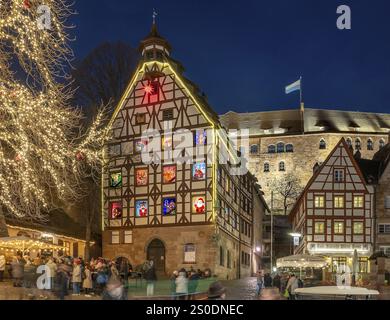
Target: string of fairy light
<point>43,150</point>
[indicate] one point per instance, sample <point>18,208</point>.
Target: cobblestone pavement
<point>9,292</point>
<point>245,289</point>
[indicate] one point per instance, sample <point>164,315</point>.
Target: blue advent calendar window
<point>116,180</point>
<point>141,208</point>
<point>199,171</point>
<point>169,206</point>
<point>201,138</point>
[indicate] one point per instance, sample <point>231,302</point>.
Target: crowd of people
<point>286,283</point>
<point>100,277</point>
<point>66,274</point>
<point>184,284</point>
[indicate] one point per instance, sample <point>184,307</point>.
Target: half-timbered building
<point>335,213</point>
<point>191,212</point>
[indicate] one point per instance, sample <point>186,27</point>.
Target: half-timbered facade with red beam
<point>183,208</point>
<point>335,212</point>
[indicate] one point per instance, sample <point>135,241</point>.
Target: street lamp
<point>296,238</point>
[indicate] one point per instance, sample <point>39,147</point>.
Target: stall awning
<point>301,261</point>
<point>25,243</point>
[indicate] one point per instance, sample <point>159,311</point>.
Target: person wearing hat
<point>182,285</point>
<point>76,277</point>
<point>217,291</point>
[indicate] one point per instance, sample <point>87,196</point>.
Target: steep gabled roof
<point>317,173</point>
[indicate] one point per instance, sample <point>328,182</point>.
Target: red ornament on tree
<point>80,156</point>
<point>18,158</point>
<point>27,4</point>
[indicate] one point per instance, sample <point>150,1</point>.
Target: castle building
<point>295,141</point>
<point>336,212</point>
<point>185,207</point>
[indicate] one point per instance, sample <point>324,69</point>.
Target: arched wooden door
<point>156,252</point>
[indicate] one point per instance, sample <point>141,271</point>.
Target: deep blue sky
<point>243,53</point>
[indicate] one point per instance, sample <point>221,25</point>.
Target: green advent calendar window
<point>116,180</point>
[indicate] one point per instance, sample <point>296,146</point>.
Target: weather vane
<point>155,14</point>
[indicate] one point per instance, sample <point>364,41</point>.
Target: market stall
<point>302,263</point>
<point>26,246</point>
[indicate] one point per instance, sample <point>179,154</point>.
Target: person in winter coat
<point>115,290</point>
<point>2,267</point>
<point>182,285</point>
<point>62,279</point>
<point>276,282</point>
<point>124,271</point>
<point>76,277</point>
<point>53,270</point>
<point>87,283</point>
<point>17,267</point>
<point>114,273</point>
<point>30,271</point>
<point>216,292</point>
<point>292,285</point>
<point>260,282</point>
<point>193,284</point>
<point>174,275</point>
<point>151,278</point>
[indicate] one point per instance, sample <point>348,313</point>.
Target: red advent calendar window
<point>199,204</point>
<point>169,174</point>
<point>152,88</point>
<point>115,210</point>
<point>141,177</point>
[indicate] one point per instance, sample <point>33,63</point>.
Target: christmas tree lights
<point>44,151</point>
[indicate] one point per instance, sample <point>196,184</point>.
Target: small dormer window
<point>168,115</point>
<point>159,55</point>
<point>149,55</point>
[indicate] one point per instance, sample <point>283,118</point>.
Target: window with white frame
<point>384,228</point>
<point>358,202</point>
<point>128,237</point>
<point>370,145</point>
<point>387,202</point>
<point>190,253</point>
<point>358,228</point>
<point>115,237</point>
<point>338,227</point>
<point>339,175</point>
<point>385,250</point>
<point>339,202</point>
<point>319,228</point>
<point>254,149</point>
<point>319,202</point>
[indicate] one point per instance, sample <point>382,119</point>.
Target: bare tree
<point>286,191</point>
<point>102,76</point>
<point>91,213</point>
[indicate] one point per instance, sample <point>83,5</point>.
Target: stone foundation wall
<point>174,239</point>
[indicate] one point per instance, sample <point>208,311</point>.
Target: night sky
<point>242,54</point>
